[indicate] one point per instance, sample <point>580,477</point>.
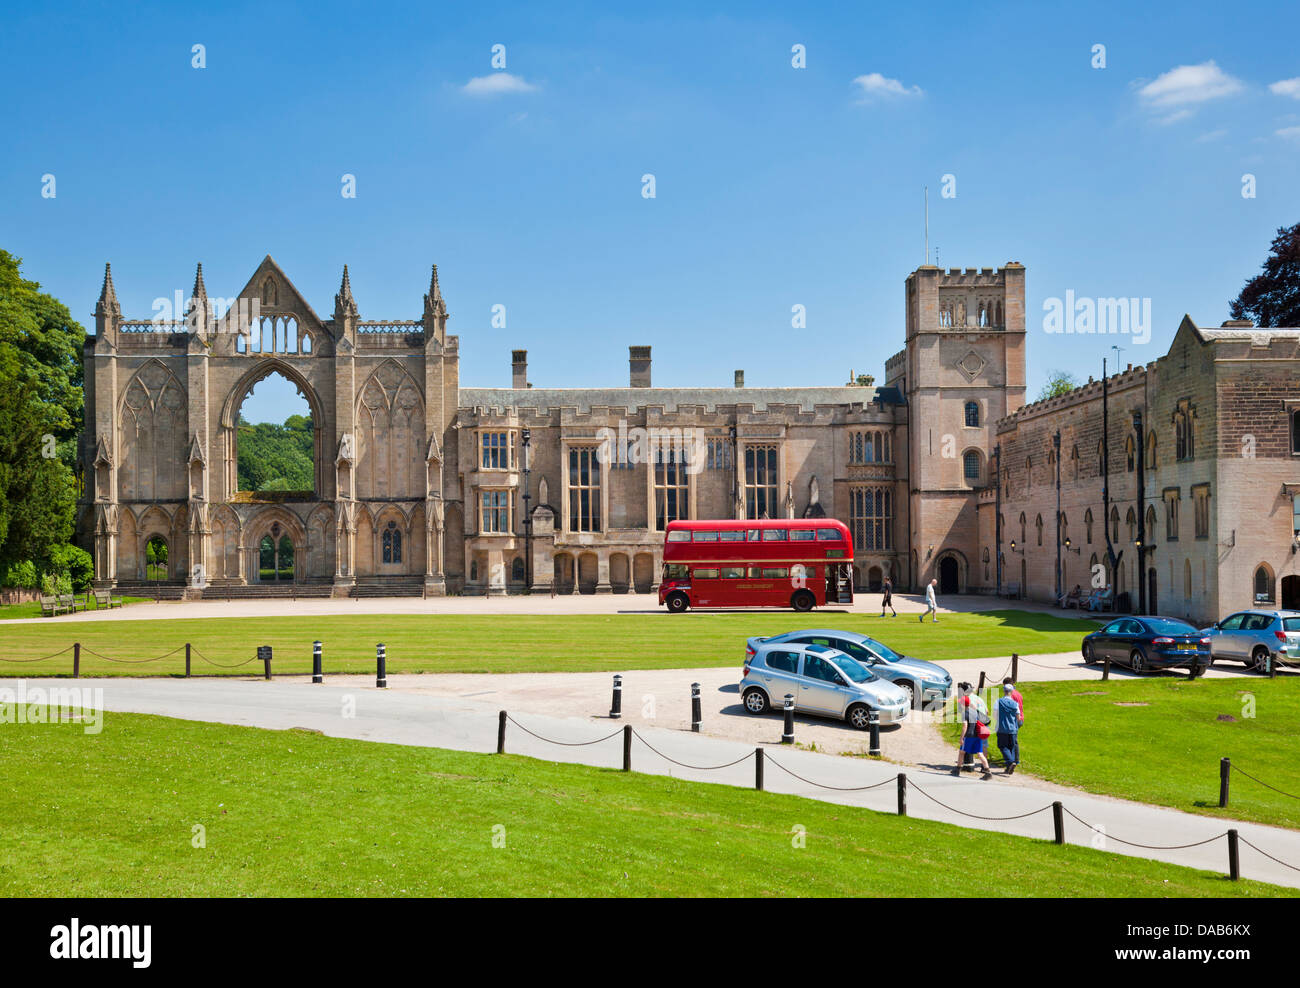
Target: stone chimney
<point>740,378</point>
<point>638,359</point>
<point>519,368</point>
<point>1238,324</point>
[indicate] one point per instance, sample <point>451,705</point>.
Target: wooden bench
<point>103,598</point>
<point>50,606</point>
<point>68,602</point>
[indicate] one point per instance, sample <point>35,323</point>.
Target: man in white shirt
<point>931,606</point>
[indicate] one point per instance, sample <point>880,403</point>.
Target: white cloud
<point>1286,87</point>
<point>1180,90</point>
<point>1213,135</point>
<point>1289,133</point>
<point>497,84</point>
<point>876,85</point>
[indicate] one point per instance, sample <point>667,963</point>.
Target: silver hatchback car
<point>822,681</point>
<point>1250,636</point>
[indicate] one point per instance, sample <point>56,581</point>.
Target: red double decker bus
<point>800,564</point>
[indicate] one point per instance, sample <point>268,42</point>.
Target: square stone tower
<point>963,369</point>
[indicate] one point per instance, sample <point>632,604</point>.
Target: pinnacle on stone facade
<point>434,300</point>
<point>107,304</point>
<point>199,296</point>
<point>343,301</point>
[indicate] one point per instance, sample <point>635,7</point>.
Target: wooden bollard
<point>627,747</point>
<point>76,659</point>
<point>1105,669</point>
<point>758,769</point>
<point>1225,773</point>
<point>1234,861</point>
<point>902,794</point>
<point>980,687</point>
<point>187,660</point>
<point>1015,667</point>
<point>501,734</point>
<point>1058,822</point>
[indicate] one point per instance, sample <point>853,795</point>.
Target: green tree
<point>276,457</point>
<point>41,402</point>
<point>1058,383</point>
<point>1272,297</point>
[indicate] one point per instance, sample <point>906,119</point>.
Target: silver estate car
<point>1249,637</point>
<point>823,681</point>
<point>926,682</point>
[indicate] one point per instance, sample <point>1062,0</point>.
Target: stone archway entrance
<point>1291,593</point>
<point>276,558</point>
<point>949,575</point>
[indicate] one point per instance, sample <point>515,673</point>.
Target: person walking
<point>975,730</point>
<point>1011,716</point>
<point>931,605</point>
<point>1015,695</point>
<point>888,599</point>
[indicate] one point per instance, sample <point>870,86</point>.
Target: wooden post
<point>1058,822</point>
<point>980,687</point>
<point>758,769</point>
<point>501,734</point>
<point>1105,669</point>
<point>187,660</point>
<point>1234,862</point>
<point>627,747</point>
<point>76,659</point>
<point>902,794</point>
<point>1015,667</point>
<point>1225,773</point>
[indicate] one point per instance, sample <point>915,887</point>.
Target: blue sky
<point>775,186</point>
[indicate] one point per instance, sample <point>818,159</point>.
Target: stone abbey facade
<point>423,486</point>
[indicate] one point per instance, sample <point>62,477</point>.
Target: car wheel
<point>1088,657</point>
<point>859,716</point>
<point>1137,661</point>
<point>756,701</point>
<point>678,602</point>
<point>802,601</point>
<point>1259,659</point>
<point>910,690</point>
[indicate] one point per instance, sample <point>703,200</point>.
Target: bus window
<point>753,534</point>
<point>799,572</point>
<point>679,536</point>
<point>774,573</point>
<point>706,536</point>
<point>732,535</point>
<point>676,571</point>
<point>774,535</point>
<point>733,572</point>
<point>829,535</point>
<point>801,535</point>
<point>705,574</point>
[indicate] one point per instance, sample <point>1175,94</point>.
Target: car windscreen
<point>883,650</point>
<point>1291,624</point>
<point>1164,626</point>
<point>854,669</point>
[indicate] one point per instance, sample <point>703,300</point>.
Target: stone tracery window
<point>392,543</point>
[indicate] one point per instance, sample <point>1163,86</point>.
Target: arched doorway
<point>155,559</point>
<point>949,575</point>
<point>875,578</point>
<point>1291,593</point>
<point>272,436</point>
<point>275,556</point>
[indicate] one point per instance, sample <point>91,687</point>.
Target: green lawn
<point>32,609</point>
<point>1166,750</point>
<point>506,643</point>
<point>295,813</point>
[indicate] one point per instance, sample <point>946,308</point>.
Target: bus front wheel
<point>677,602</point>
<point>802,601</point>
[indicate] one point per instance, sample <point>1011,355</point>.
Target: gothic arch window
<point>306,343</point>
<point>1130,459</point>
<point>1022,528</point>
<point>1064,523</point>
<point>1087,524</point>
<point>1184,435</point>
<point>1029,473</point>
<point>1074,462</point>
<point>1114,524</point>
<point>392,543</point>
<point>1131,521</point>
<point>971,467</point>
<point>268,292</point>
<point>517,570</point>
<point>1151,524</point>
<point>1263,585</point>
<point>1151,450</point>
<point>1038,525</point>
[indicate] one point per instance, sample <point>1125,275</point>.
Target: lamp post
<point>526,437</point>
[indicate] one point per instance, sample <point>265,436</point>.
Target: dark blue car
<point>1145,643</point>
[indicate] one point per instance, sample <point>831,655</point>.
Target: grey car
<point>925,682</point>
<point>822,681</point>
<point>1250,636</point>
